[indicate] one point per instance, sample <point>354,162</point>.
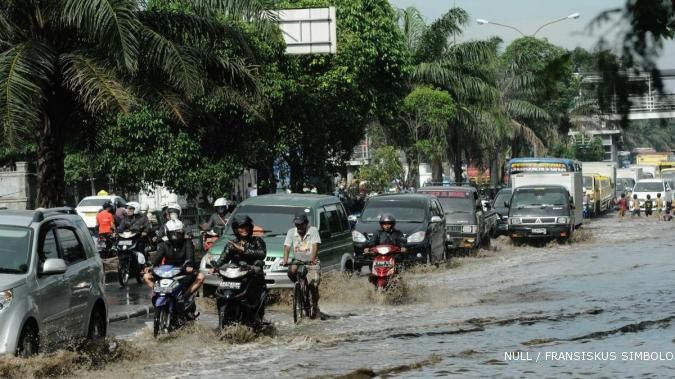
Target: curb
<point>145,311</point>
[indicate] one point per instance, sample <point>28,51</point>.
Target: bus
<point>541,165</point>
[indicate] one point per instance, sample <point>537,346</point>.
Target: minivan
<point>274,215</point>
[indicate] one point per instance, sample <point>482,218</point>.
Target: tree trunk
<point>495,167</point>
<point>413,170</point>
<point>50,171</point>
<point>457,160</point>
<point>436,170</point>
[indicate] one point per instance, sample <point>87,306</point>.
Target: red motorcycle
<point>384,272</point>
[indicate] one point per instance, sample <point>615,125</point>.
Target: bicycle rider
<point>305,241</point>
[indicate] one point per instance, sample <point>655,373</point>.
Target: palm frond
<point>171,103</point>
<point>412,25</point>
<point>95,86</point>
<point>180,68</point>
<point>524,109</point>
<point>110,23</point>
<point>249,9</point>
<point>26,69</point>
<point>434,40</point>
<point>529,135</point>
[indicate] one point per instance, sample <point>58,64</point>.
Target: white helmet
<point>173,225</point>
<point>174,206</point>
<point>220,202</point>
<point>135,205</point>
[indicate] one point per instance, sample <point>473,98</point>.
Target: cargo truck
<point>572,181</point>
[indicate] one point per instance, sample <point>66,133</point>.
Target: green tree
<point>384,168</point>
<point>427,112</point>
<point>62,61</point>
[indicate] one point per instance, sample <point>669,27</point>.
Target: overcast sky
<point>527,16</point>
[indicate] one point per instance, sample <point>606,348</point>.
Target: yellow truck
<point>651,159</point>
<point>599,193</point>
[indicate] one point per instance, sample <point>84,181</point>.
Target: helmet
<point>388,218</point>
<point>136,206</point>
<point>107,204</point>
<point>242,222</point>
<point>300,219</point>
<point>145,207</point>
<point>220,202</point>
<point>175,207</point>
<point>173,225</point>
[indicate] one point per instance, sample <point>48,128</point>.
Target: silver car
<point>51,281</point>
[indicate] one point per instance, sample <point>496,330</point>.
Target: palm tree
<point>63,61</point>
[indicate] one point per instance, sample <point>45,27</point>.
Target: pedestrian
<point>623,205</point>
<point>635,207</point>
<point>659,205</point>
<point>649,204</point>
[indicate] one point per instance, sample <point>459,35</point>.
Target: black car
<point>419,217</point>
<point>501,207</point>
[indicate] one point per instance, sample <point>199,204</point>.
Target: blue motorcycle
<point>172,309</point>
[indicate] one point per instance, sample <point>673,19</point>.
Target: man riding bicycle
<point>305,241</point>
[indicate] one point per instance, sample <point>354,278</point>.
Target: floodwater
<point>600,306</point>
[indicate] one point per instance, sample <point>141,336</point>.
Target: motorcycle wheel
<point>227,315</point>
<point>297,305</point>
<point>123,273</point>
<point>162,322</point>
<point>138,269</point>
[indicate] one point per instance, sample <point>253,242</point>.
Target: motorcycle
<point>172,309</point>
<point>105,244</point>
<point>232,300</point>
<point>384,272</point>
<point>130,261</point>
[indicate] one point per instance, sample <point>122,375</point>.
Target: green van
<point>274,214</point>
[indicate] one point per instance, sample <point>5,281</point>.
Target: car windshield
<point>14,249</point>
<point>501,198</point>
<point>669,177</point>
<point>92,202</point>
<point>455,205</point>
<point>403,211</point>
<point>275,220</point>
<point>534,198</point>
<point>648,187</point>
<point>588,182</point>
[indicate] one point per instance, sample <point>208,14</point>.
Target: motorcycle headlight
<point>515,220</point>
<point>417,237</point>
<point>358,237</point>
<point>470,229</point>
<point>6,297</point>
<point>562,220</point>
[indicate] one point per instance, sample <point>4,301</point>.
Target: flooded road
<point>583,309</point>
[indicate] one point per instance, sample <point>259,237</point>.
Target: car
<point>419,217</point>
<point>652,187</point>
<point>88,207</point>
<point>468,225</point>
<point>500,205</point>
<point>52,281</point>
<point>273,214</point>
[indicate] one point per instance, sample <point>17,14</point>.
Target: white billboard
<point>309,30</point>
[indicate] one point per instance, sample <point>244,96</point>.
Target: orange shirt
<point>105,221</point>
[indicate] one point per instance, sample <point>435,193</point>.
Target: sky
<point>527,16</point>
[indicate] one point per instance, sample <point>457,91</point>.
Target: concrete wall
<point>18,187</point>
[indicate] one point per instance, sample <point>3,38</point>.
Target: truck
<point>651,158</point>
<point>648,170</point>
<point>600,193</point>
<point>600,168</point>
<point>572,181</point>
<point>634,173</point>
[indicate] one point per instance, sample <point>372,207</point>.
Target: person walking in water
<point>623,205</point>
<point>635,207</point>
<point>659,205</point>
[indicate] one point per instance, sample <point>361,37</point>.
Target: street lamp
<point>573,16</point>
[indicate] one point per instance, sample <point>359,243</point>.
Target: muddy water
<point>609,293</point>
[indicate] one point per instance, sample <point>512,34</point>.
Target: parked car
<point>273,214</point>
<point>418,216</point>
<point>468,225</point>
<point>51,280</point>
<point>652,187</point>
<point>89,206</point>
<point>500,206</point>
<point>543,212</point>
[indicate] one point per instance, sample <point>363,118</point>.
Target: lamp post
<point>574,16</point>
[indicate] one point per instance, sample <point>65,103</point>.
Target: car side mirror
<point>436,219</point>
<point>324,234</point>
<point>53,266</point>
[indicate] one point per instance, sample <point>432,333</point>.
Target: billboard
<point>309,30</point>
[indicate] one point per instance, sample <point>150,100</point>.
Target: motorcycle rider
<point>388,234</point>
<point>172,213</point>
<point>136,222</point>
<point>218,220</point>
<point>247,248</point>
<point>176,251</point>
<point>305,242</point>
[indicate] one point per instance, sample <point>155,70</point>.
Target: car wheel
<point>29,342</point>
<point>97,324</point>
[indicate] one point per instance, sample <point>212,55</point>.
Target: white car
<point>89,206</point>
<point>652,187</point>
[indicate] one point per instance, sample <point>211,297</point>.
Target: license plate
<point>165,282</point>
<point>126,243</point>
<point>381,264</point>
<point>538,231</point>
<point>230,285</point>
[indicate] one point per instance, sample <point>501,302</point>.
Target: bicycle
<point>303,304</point>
